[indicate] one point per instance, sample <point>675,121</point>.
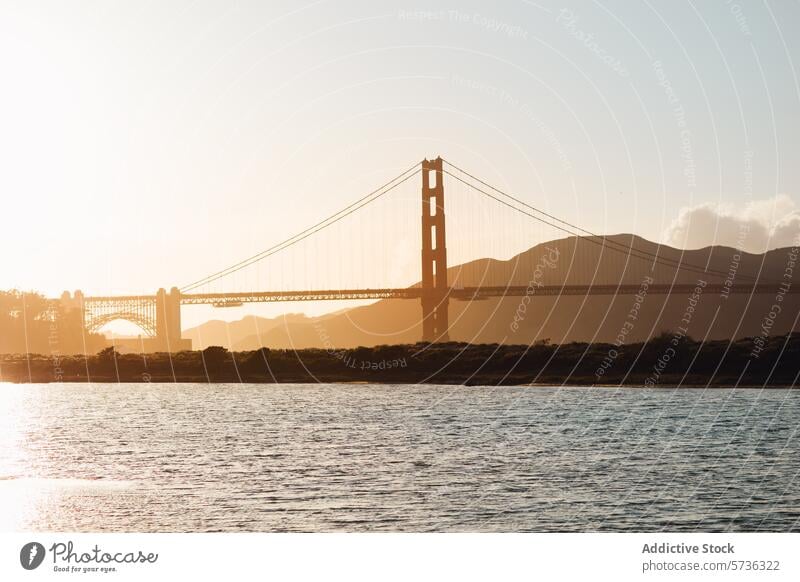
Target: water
<point>149,457</point>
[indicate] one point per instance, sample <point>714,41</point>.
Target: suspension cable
<point>604,240</point>
<point>628,250</point>
<point>321,225</point>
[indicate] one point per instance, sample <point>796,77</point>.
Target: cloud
<point>759,226</point>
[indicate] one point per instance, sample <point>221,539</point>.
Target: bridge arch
<point>146,324</point>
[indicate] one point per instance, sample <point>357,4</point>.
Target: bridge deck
<point>456,293</point>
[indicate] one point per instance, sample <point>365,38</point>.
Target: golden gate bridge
<point>159,315</point>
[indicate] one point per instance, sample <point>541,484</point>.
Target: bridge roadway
<point>456,293</point>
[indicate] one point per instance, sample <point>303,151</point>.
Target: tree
<point>108,354</point>
<point>214,357</point>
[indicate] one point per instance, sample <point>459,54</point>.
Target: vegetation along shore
<point>664,361</point>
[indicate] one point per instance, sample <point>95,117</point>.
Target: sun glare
<point>16,498</point>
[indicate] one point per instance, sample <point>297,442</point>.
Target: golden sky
<point>145,145</point>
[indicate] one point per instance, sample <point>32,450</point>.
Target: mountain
<point>559,319</point>
<point>246,333</point>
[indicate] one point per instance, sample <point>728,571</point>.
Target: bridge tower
<point>72,306</point>
<point>69,324</point>
<point>168,321</point>
<point>435,289</point>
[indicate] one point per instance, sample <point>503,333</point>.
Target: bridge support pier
<point>435,288</point>
<point>69,324</point>
<point>168,322</point>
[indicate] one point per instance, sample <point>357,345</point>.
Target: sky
<point>147,144</point>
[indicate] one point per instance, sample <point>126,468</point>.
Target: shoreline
<point>655,364</point>
<point>443,383</point>
<point>669,383</point>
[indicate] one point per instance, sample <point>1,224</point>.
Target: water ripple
<point>397,458</point>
